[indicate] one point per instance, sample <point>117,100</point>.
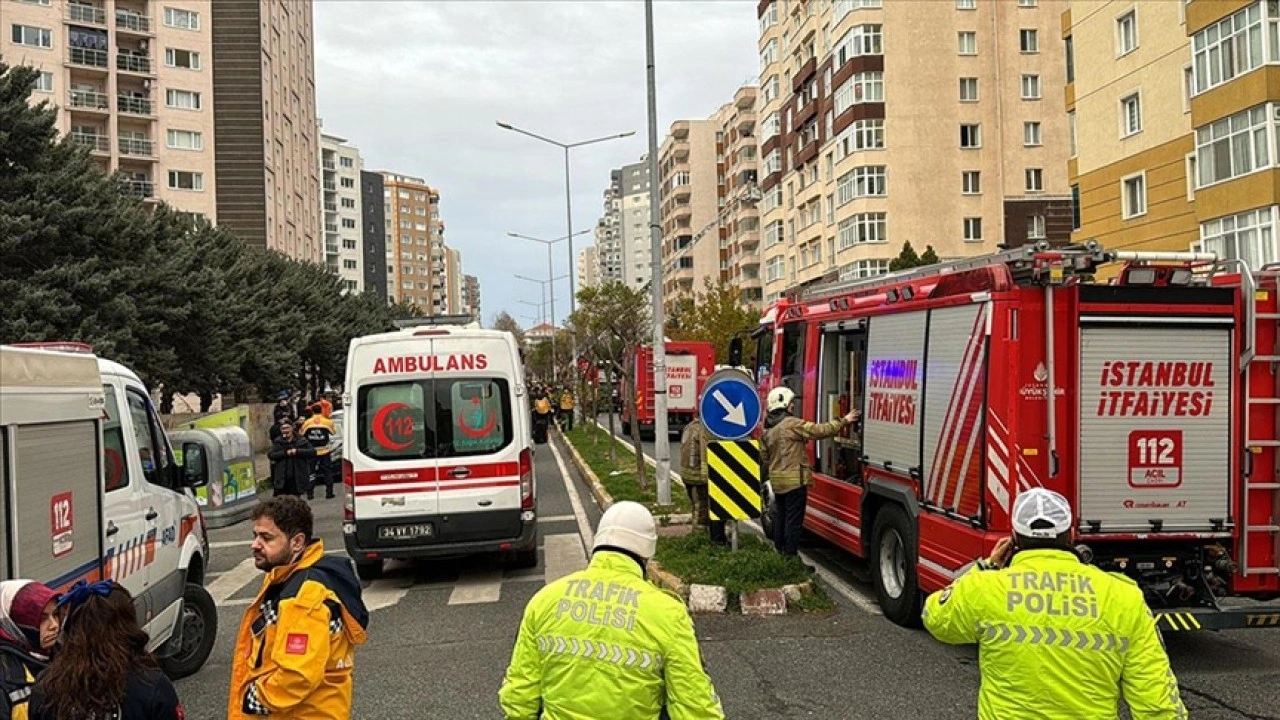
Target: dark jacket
<point>282,412</point>
<point>18,671</point>
<point>291,470</point>
<point>148,695</point>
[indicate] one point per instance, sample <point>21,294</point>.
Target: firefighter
<point>693,463</point>
<point>1056,638</point>
<point>644,655</point>
<point>785,457</point>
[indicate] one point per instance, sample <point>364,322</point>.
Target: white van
<point>437,449</point>
<point>90,490</point>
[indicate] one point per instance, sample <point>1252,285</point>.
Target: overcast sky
<point>418,86</point>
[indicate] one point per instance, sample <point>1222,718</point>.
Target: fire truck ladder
<point>1260,288</point>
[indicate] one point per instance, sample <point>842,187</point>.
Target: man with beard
<point>295,651</point>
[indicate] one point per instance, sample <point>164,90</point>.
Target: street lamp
<point>568,202</point>
<point>545,283</point>
<point>542,307</point>
<point>550,270</point>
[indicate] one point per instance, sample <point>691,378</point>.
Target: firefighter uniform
<point>693,469</point>
<point>319,431</point>
<point>1057,639</point>
<point>605,643</point>
<point>784,456</point>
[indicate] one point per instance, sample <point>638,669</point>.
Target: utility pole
<point>661,442</point>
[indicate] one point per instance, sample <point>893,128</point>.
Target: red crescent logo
<point>476,433</point>
<point>380,427</point>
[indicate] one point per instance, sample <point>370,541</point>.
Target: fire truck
<point>689,364</point>
<point>1150,400</point>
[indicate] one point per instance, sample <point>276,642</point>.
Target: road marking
<point>584,527</point>
<point>555,518</point>
<point>484,586</point>
<point>231,543</point>
<point>562,555</point>
<point>384,593</point>
<point>232,580</point>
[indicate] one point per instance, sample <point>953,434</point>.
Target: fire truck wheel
<point>369,570</point>
<point>894,563</point>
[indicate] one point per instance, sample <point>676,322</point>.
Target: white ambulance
<point>437,448</point>
<point>89,490</point>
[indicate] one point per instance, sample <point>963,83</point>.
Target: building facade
<point>453,282</point>
<point>1176,143</point>
<point>374,235</point>
<point>471,296</point>
<point>608,233</point>
<point>264,103</point>
<point>851,167</point>
<point>132,81</point>
<point>415,243</point>
<point>589,266</point>
<point>342,203</point>
<point>635,248</point>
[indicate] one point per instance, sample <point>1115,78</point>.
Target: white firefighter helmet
<point>780,398</point>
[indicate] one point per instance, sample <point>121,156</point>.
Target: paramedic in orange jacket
<point>295,651</point>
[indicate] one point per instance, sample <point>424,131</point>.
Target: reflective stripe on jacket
<point>1057,639</point>
<point>295,650</point>
<point>319,430</point>
<point>566,401</point>
<point>693,454</point>
<point>604,643</point>
<point>784,453</point>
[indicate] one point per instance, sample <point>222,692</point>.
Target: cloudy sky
<point>418,86</point>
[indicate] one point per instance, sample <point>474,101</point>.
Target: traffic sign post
<point>733,487</point>
<point>729,406</point>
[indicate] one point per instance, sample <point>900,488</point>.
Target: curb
<point>667,581</point>
<point>601,495</point>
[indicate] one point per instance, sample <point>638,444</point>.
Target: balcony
<point>129,62</point>
<point>330,228</point>
<point>807,70</point>
<point>88,57</point>
<point>86,14</point>
<point>89,100</point>
<point>331,207</point>
<point>141,188</point>
<point>129,21</point>
<point>94,142</point>
<point>331,187</point>
<point>137,147</point>
<point>329,165</point>
<point>130,105</point>
<point>331,248</point>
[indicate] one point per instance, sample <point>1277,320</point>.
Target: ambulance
<point>438,448</point>
<point>89,490</point>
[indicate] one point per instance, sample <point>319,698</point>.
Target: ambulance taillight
<point>526,479</point>
<point>349,503</point>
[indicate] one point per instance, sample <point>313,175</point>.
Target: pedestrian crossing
<point>470,581</point>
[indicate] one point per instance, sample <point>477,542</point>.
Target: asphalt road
<point>441,636</point>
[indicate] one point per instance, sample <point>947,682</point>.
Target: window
<point>973,229</point>
<point>185,140</point>
<point>867,181</point>
<point>346,162</point>
<point>863,228</point>
<point>769,55</point>
<point>1070,52</point>
<point>152,447</point>
<point>1030,87</point>
<point>773,233</point>
<point>772,163</point>
<point>1232,146</point>
<point>113,452</point>
<point>1075,207</point>
<point>347,182</point>
<point>184,180</point>
<point>1134,195</point>
<point>769,90</point>
<point>1031,134</point>
<point>1130,115</point>
<point>348,244</point>
<point>968,41</point>
<point>183,19</point>
<point>44,83</point>
<point>861,135</point>
<point>1029,40</point>
<point>1188,88</point>
<point>348,223</point>
<point>971,182</point>
<point>1035,227</point>
<point>434,418</point>
<point>1027,3</point>
<point>1035,179</point>
<point>772,125</point>
<point>860,88</point>
<point>175,58</point>
<point>182,99</point>
<point>968,89</point>
<point>1127,32</point>
<point>349,264</point>
<point>1071,133</point>
<point>32,36</point>
<point>1249,236</point>
<point>769,18</point>
<point>966,4</point>
<point>864,269</point>
<point>1230,47</point>
<point>349,203</point>
<point>971,136</point>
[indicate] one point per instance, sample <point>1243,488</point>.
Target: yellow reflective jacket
<point>604,643</point>
<point>1057,639</point>
<point>295,650</point>
<point>319,431</point>
<point>566,401</point>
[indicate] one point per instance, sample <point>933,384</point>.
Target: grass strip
<point>755,566</point>
<point>619,477</point>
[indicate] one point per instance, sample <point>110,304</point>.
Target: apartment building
<point>453,282</point>
<point>1176,143</point>
<point>268,189</point>
<point>589,265</point>
<point>415,257</point>
<point>471,296</point>
<point>608,233</point>
<point>374,234</point>
<point>635,247</point>
<point>710,221</point>
<point>883,121</point>
<point>340,168</point>
<point>132,82</point>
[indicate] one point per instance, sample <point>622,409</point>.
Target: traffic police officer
<point>604,643</point>
<point>319,431</point>
<point>1056,638</point>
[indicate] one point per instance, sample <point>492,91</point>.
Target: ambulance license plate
<point>404,532</point>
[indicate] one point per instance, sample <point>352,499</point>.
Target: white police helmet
<point>1040,513</point>
<point>628,526</point>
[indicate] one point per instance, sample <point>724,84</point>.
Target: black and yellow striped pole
<point>733,488</point>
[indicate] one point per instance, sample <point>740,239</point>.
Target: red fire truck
<point>689,364</point>
<point>1150,401</point>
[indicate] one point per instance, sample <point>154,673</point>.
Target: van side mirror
<point>195,466</point>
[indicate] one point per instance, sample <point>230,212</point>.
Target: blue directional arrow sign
<point>729,406</point>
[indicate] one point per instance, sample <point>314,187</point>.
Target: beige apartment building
<point>268,189</point>
<point>711,227</point>
<point>453,282</point>
<point>471,296</point>
<point>589,264</point>
<point>415,243</point>
<point>885,121</point>
<point>342,205</point>
<point>132,82</point>
<point>1176,142</point>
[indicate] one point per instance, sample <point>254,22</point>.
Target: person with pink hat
<point>29,626</point>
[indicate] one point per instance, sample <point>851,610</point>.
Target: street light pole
<point>661,442</point>
<point>550,270</point>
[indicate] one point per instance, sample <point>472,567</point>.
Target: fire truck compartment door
<point>1155,426</point>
